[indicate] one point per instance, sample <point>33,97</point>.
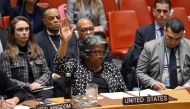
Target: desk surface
<point>182,102</point>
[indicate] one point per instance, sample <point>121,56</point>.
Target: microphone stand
<point>68,84</point>
<point>138,85</point>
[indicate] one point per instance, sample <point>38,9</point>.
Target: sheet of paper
<point>116,95</point>
<point>146,92</point>
<point>21,107</point>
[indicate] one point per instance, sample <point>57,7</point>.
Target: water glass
<point>91,93</point>
<point>89,99</point>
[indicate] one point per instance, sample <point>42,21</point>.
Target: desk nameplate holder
<point>55,106</point>
<point>145,99</point>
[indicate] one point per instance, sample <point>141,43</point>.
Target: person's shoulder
<point>146,27</point>
<point>109,65</point>
<point>16,10</point>
<point>185,41</point>
<point>39,48</point>
<point>4,55</point>
<point>42,34</point>
<point>154,42</point>
<point>39,9</point>
<point>3,33</point>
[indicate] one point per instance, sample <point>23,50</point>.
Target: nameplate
<point>145,99</point>
<point>55,106</point>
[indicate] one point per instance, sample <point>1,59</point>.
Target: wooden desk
<point>182,102</point>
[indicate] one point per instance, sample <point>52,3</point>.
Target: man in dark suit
<point>49,39</point>
<point>164,62</point>
<point>161,12</point>
<point>5,7</point>
<point>3,35</point>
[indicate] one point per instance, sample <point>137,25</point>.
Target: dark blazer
<point>143,35</point>
<point>3,38</point>
<point>129,63</point>
<point>5,7</point>
<point>35,18</point>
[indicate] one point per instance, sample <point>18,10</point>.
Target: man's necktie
<point>161,31</point>
<point>173,69</point>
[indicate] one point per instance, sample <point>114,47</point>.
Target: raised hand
<point>66,32</point>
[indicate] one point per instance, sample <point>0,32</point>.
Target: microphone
<point>68,84</point>
<point>148,96</point>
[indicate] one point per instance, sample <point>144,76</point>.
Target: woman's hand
<point>55,76</point>
<point>66,35</point>
<point>35,85</point>
<point>11,103</point>
<point>66,32</point>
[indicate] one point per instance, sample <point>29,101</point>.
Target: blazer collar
<point>161,54</point>
<point>182,53</point>
<point>152,31</point>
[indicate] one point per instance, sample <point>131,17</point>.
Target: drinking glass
<point>91,94</point>
<point>89,99</point>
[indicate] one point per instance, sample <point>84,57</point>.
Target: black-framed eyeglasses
<point>98,53</point>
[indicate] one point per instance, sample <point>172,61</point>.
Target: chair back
<point>179,12</point>
<point>141,9</point>
<point>122,28</point>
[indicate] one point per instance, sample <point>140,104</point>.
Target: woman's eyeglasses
<point>98,53</point>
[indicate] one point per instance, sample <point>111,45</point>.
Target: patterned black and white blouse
<point>82,75</point>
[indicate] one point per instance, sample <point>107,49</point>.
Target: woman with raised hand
<point>91,67</point>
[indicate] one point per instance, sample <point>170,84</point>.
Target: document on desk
<point>43,88</point>
<point>116,95</point>
<point>21,107</point>
<point>146,92</point>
